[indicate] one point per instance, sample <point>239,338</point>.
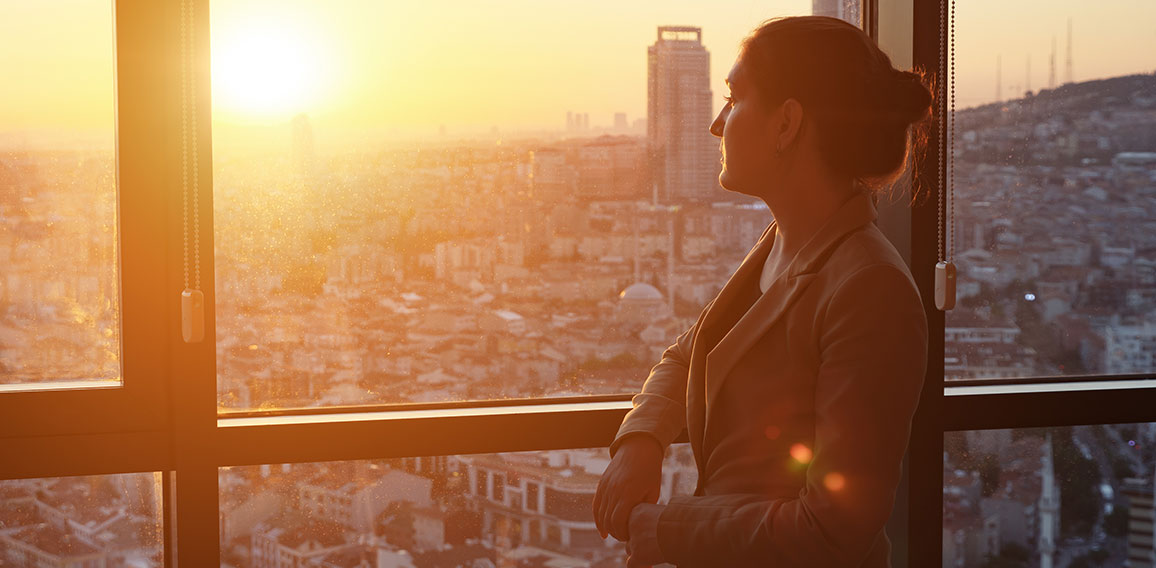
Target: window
<point>81,521</point>
<point>288,374</point>
<point>59,306</point>
<point>79,325</point>
<point>1053,179</point>
<point>1046,350</point>
<point>425,509</point>
<point>461,208</point>
<point>1048,493</point>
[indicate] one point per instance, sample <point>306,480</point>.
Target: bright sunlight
<point>265,72</point>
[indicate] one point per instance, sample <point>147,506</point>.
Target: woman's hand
<point>642,549</point>
<point>634,476</point>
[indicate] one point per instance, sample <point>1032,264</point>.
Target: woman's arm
<point>873,349</point>
<point>660,409</point>
<point>634,474</point>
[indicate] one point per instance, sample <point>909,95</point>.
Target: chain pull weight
<point>945,275</point>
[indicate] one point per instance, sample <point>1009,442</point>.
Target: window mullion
<point>1049,408</point>
<point>192,494</point>
<point>513,430</point>
<point>925,465</point>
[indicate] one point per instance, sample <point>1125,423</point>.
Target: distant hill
<point>1076,123</point>
<point>1128,91</point>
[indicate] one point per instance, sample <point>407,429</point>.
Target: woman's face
<point>748,142</point>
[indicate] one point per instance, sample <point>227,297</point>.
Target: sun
<point>268,73</point>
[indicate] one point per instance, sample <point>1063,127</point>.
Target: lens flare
<point>801,453</point>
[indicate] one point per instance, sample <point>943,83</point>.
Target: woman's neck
<point>803,211</point>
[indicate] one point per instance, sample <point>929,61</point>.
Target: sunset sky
<point>407,68</point>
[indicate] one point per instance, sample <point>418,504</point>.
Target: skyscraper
<point>684,155</point>
<point>847,10</point>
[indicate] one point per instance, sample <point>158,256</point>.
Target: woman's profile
<point>798,382</point>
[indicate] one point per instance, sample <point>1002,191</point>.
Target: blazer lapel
<point>708,336</point>
<point>783,292</point>
<point>762,315</point>
<point>751,265</point>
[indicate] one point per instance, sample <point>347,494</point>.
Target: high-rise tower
<point>684,155</point>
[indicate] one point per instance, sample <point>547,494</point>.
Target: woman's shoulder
<point>866,248</point>
<point>867,278</point>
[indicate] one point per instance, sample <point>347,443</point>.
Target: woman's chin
<point>729,183</point>
<point>724,180</point>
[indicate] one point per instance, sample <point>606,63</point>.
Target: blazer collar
<point>766,311</point>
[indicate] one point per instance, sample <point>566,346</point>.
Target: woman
<point>798,382</point>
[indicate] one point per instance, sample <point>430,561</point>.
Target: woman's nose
<point>716,127</point>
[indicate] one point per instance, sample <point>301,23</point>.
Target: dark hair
<point>861,107</point>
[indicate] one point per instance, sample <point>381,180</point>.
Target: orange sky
<point>407,68</point>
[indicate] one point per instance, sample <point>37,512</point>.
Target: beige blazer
<point>799,414</point>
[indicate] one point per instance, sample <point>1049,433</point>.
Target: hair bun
<point>910,98</point>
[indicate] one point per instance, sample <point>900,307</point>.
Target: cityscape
<point>561,265</point>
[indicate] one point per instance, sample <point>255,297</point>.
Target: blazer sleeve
<point>872,341</point>
<point>660,409</point>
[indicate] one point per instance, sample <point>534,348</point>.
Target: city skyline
<point>354,70</point>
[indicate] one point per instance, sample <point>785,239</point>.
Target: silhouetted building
<point>620,123</point>
<point>1140,522</point>
<point>684,155</point>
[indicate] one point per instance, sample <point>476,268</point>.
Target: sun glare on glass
<point>268,73</point>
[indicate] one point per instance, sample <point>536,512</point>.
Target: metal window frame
<point>166,419</point>
<point>139,403</point>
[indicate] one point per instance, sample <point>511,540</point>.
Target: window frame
<point>68,425</point>
<point>165,416</point>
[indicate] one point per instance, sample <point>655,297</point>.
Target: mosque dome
<point>640,292</point>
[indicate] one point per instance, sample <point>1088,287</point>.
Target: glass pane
<point>59,298</point>
<point>514,509</point>
<point>419,202</point>
<point>1070,496</point>
<point>82,522</point>
<point>1055,162</point>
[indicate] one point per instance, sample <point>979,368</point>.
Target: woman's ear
<point>791,125</point>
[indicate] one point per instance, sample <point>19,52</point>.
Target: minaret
<point>637,267</point>
<point>670,258</point>
<point>1049,522</point>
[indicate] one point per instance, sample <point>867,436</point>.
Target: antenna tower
<point>1028,75</point>
<point>998,78</point>
<point>1052,66</point>
<point>1068,75</point>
